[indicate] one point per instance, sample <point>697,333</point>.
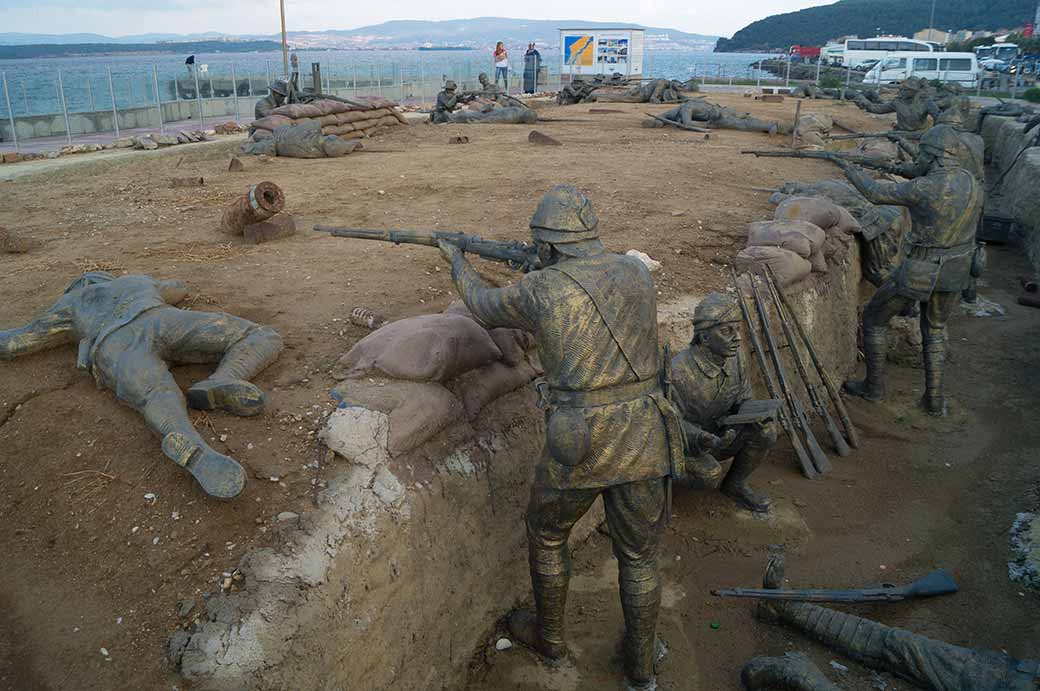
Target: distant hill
<point>814,26</point>
<point>479,32</point>
<point>65,50</point>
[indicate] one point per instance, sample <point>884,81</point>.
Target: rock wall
<point>1018,193</point>
<point>409,562</point>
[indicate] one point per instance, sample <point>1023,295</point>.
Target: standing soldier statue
<point>710,383</point>
<point>127,330</point>
<point>945,204</point>
<point>609,429</point>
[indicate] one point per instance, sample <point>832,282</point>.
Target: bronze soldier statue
<point>912,106</point>
<point>278,97</point>
<point>709,382</point>
<point>945,205</point>
<point>610,431</point>
<point>127,330</point>
<point>697,111</point>
<point>447,101</point>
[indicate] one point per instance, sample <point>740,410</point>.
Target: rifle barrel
<point>818,405</point>
<point>819,458</point>
<point>804,461</point>
<point>828,383</point>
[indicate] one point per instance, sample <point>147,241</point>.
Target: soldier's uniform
<point>945,205</point>
<point>912,108</point>
<point>447,101</point>
<point>610,431</point>
<point>277,98</point>
<point>705,392</point>
<point>127,332</point>
<point>697,112</point>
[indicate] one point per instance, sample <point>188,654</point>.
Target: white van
<point>962,68</point>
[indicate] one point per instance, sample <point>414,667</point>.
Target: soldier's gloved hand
<point>707,440</point>
<point>449,251</point>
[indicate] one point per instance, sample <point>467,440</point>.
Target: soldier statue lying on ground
<point>697,112</point>
<point>580,89</point>
<point>945,205</point>
<point>489,112</point>
<point>127,330</point>
<point>654,91</point>
<point>709,383</point>
<point>912,106</point>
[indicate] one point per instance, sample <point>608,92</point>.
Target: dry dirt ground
<point>90,564</point>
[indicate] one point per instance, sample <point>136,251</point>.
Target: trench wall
<point>410,562</point>
<point>1018,194</point>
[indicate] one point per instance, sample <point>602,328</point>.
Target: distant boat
<point>445,48</point>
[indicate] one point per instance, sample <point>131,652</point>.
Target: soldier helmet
<point>715,309</point>
<point>90,278</point>
<point>450,85</point>
<point>280,87</point>
<point>482,77</point>
<point>942,142</point>
<point>564,215</point>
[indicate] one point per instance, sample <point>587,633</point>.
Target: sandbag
<point>416,410</point>
<point>811,130</point>
<point>774,234</point>
<point>784,229</point>
<point>514,344</point>
<point>430,347</point>
<point>298,111</point>
<point>334,147</point>
<point>479,387</point>
<point>328,106</point>
<point>787,266</point>
<point>272,122</point>
<point>326,120</point>
<point>822,213</point>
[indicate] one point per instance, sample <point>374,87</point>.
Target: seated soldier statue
<point>128,330</point>
<point>709,385</point>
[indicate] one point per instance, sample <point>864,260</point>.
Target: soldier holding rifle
<point>610,430</point>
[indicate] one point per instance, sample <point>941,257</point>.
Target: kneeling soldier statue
<point>128,329</point>
<point>711,388</point>
<point>610,431</point>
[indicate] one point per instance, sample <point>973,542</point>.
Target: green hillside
<point>815,25</point>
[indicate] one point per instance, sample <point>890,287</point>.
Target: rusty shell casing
<point>261,202</point>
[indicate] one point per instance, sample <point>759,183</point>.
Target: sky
<point>126,17</point>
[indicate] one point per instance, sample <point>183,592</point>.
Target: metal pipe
<point>234,87</point>
<point>115,111</point>
<point>25,98</point>
<point>285,49</point>
<point>787,75</point>
<point>158,100</point>
<point>353,69</point>
<point>10,112</point>
<point>758,82</point>
<point>64,109</point>
<point>198,98</point>
<point>818,66</point>
<point>90,96</point>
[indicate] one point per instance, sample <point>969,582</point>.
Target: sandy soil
<point>90,564</point>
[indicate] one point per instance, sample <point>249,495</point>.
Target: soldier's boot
<point>735,483</point>
<point>872,388</point>
<point>550,578</point>
<point>934,344</point>
<point>220,476</point>
<point>229,388</point>
<point>640,601</point>
<point>523,626</point>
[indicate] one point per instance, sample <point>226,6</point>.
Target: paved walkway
<point>45,144</point>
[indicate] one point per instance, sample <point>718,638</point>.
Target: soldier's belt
<point>612,394</point>
<point>936,252</point>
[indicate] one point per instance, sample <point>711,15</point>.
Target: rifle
<point>518,255</point>
<point>819,458</point>
<point>938,582</point>
<point>680,125</point>
<point>832,156</point>
<point>785,419</point>
<point>893,135</point>
<point>832,390</point>
<point>814,397</point>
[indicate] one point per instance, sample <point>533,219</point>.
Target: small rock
<point>53,154</point>
<point>536,137</point>
<point>175,646</point>
<point>287,516</point>
<point>458,140</point>
<point>155,540</point>
<point>185,607</point>
<point>223,437</point>
<point>236,165</point>
<point>838,666</point>
<point>104,652</point>
<point>800,503</point>
<point>503,644</point>
<point>146,143</point>
<point>150,496</point>
<point>164,139</point>
<point>123,143</point>
<point>651,264</point>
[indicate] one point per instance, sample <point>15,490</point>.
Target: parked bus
<point>997,55</point>
<point>859,51</point>
<point>962,68</point>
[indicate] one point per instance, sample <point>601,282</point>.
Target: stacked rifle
<point>794,419</point>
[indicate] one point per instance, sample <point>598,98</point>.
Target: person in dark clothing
<point>532,63</point>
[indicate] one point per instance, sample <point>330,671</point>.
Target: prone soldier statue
<point>610,431</point>
<point>127,330</point>
<point>709,384</point>
<point>945,204</point>
<point>912,106</point>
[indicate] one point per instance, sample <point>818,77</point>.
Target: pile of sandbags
<point>804,234</point>
<point>881,227</point>
<point>354,117</point>
<point>811,130</point>
<point>429,371</point>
